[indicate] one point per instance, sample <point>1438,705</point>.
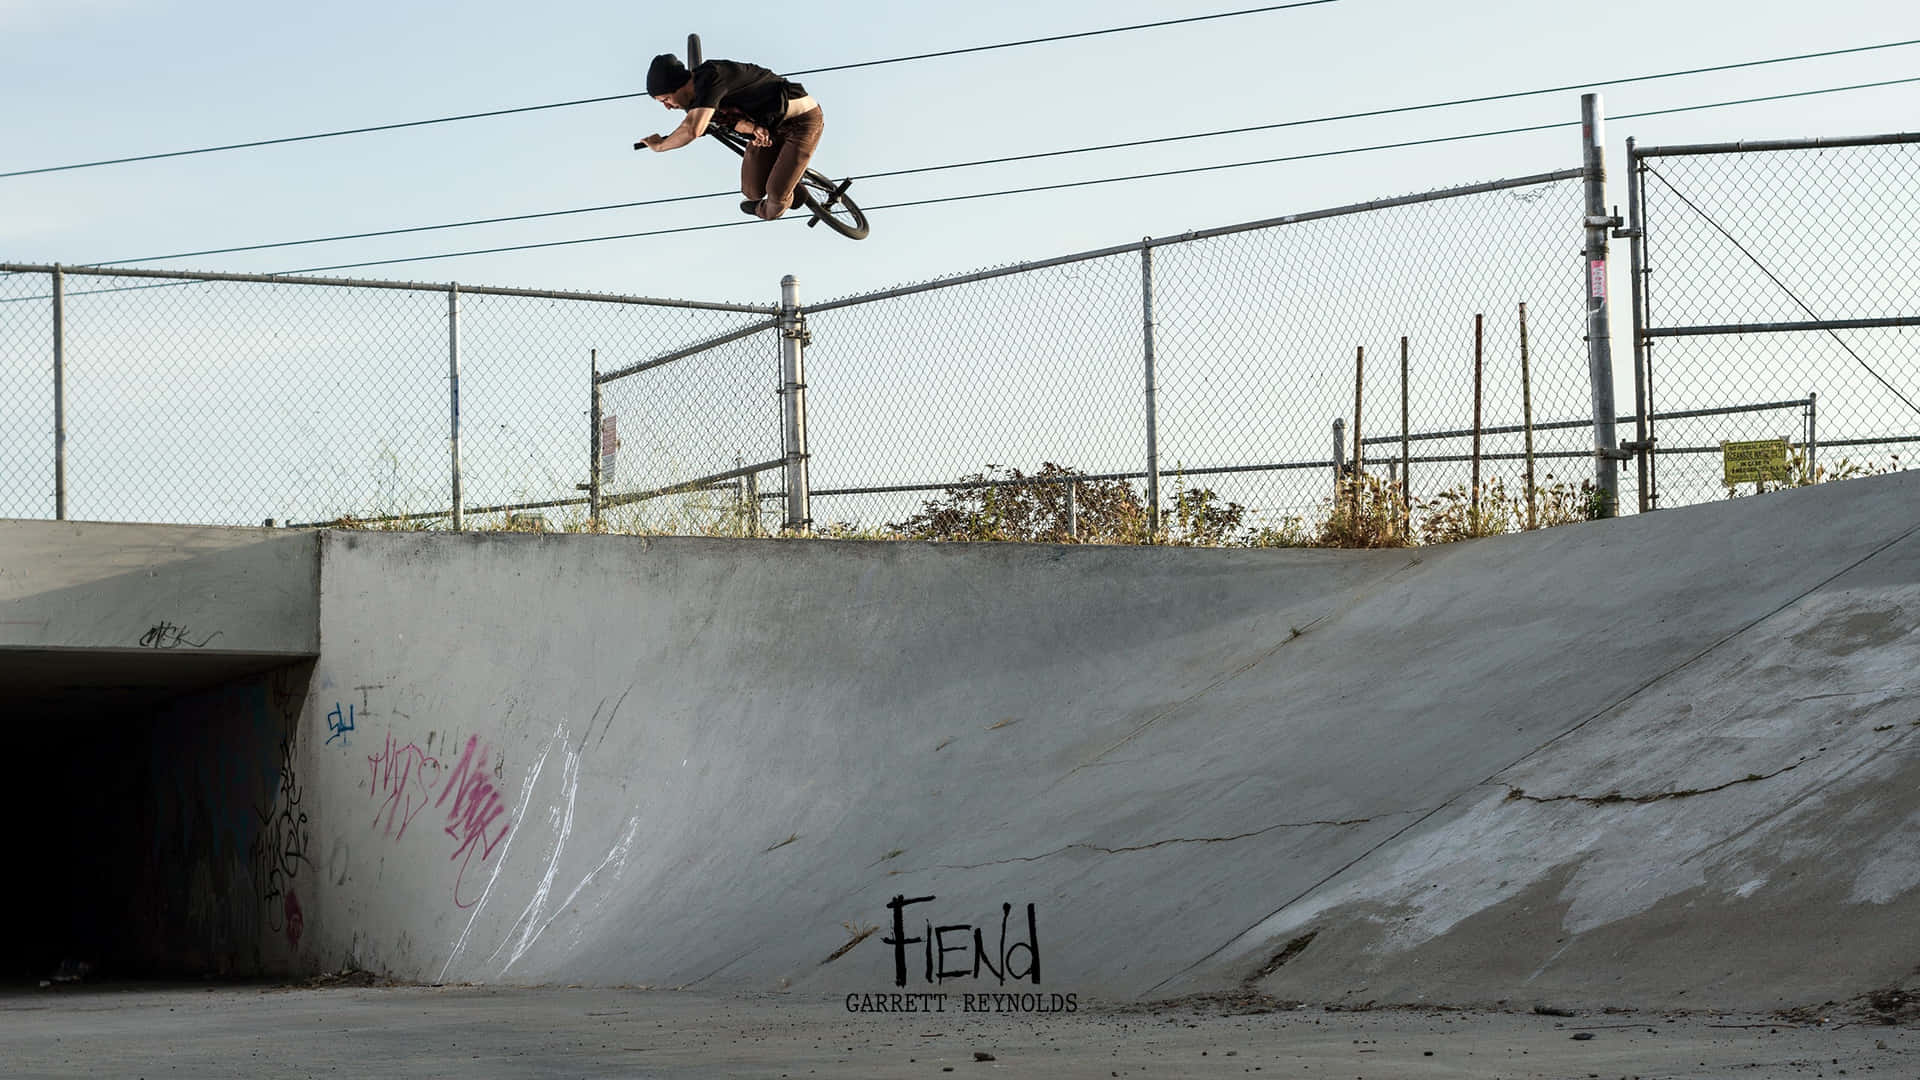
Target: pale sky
<point>298,405</point>
<point>105,78</point>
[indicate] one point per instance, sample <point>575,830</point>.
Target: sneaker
<point>750,206</point>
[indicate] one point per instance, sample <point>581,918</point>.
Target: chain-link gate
<point>694,440</point>
<point>1786,273</point>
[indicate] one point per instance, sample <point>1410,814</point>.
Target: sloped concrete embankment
<point>1648,760</point>
<point>1741,831</point>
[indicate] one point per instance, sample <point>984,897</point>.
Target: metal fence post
<point>1359,453</point>
<point>1526,414</point>
<point>593,471</point>
<point>1642,347</point>
<point>1813,438</point>
<point>1339,457</point>
<point>453,395</point>
<point>1473,511</point>
<point>1406,459</point>
<point>1153,423</point>
<point>793,393</point>
<point>59,394</point>
<point>752,481</point>
<point>1599,322</point>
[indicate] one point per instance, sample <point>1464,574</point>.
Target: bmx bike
<point>826,200</point>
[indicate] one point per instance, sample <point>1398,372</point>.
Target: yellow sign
<point>1752,462</point>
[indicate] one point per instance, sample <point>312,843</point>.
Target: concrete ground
<point>484,1033</point>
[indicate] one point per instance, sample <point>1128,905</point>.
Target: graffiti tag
<point>399,774</point>
<point>168,636</point>
<point>339,724</point>
<point>477,820</point>
<point>279,849</point>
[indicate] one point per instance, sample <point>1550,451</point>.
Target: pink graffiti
<point>398,774</point>
<point>477,808</point>
<point>296,920</point>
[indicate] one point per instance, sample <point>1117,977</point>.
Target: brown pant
<point>770,173</point>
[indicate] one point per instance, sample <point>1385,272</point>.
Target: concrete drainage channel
<point>1660,766</point>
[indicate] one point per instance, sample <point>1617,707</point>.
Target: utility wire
<point>638,94</point>
<point>1771,276</point>
<point>1027,157</point>
<point>1122,179</point>
<point>1056,187</point>
<point>1061,37</point>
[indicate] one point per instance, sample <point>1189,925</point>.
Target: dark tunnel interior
<point>142,814</point>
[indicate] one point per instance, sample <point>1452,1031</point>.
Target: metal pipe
<point>698,483</point>
<point>1406,474</point>
<point>1073,509</point>
<point>599,444</point>
<point>1813,436</point>
<point>453,395</point>
<point>1474,505</point>
<point>59,395</point>
<point>1526,412</point>
<point>1642,347</point>
<point>1599,319</point>
<point>1784,327</point>
<point>1359,461</point>
<point>366,283</point>
<point>1685,150</point>
<point>1153,422</point>
<point>1202,234</point>
<point>691,350</point>
<point>793,393</point>
<point>1337,463</point>
<point>1556,425</point>
<point>1339,456</point>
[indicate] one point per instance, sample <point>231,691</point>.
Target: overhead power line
<point>1060,186</point>
<point>1119,179</point>
<point>1062,37</point>
<point>638,94</point>
<point>1390,111</point>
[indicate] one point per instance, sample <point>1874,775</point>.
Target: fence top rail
<point>1763,145</point>
<point>1201,234</point>
<point>364,283</point>
<point>1729,329</point>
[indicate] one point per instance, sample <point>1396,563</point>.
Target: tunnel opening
<point>157,812</point>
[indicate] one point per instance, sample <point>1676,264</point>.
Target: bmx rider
<point>781,118</point>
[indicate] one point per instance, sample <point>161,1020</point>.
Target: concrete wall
<point>130,615</point>
<point>675,762</point>
<point>1665,760</point>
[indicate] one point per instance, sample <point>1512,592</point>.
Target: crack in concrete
<point>1612,798</point>
<point>1159,843</point>
<point>1617,704</point>
<point>1296,634</point>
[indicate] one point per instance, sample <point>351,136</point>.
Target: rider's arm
<point>694,126</point>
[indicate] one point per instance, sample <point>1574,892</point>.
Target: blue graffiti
<point>339,724</point>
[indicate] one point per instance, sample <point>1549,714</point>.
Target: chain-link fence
<point>1206,386</point>
<point>233,399</point>
<point>1206,372</point>
<point>1768,271</point>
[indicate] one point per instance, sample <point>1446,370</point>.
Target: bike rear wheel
<point>839,214</point>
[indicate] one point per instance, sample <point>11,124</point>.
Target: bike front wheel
<point>839,213</point>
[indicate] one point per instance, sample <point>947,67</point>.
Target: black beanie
<point>666,75</point>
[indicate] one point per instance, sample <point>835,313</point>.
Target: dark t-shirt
<point>753,91</point>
